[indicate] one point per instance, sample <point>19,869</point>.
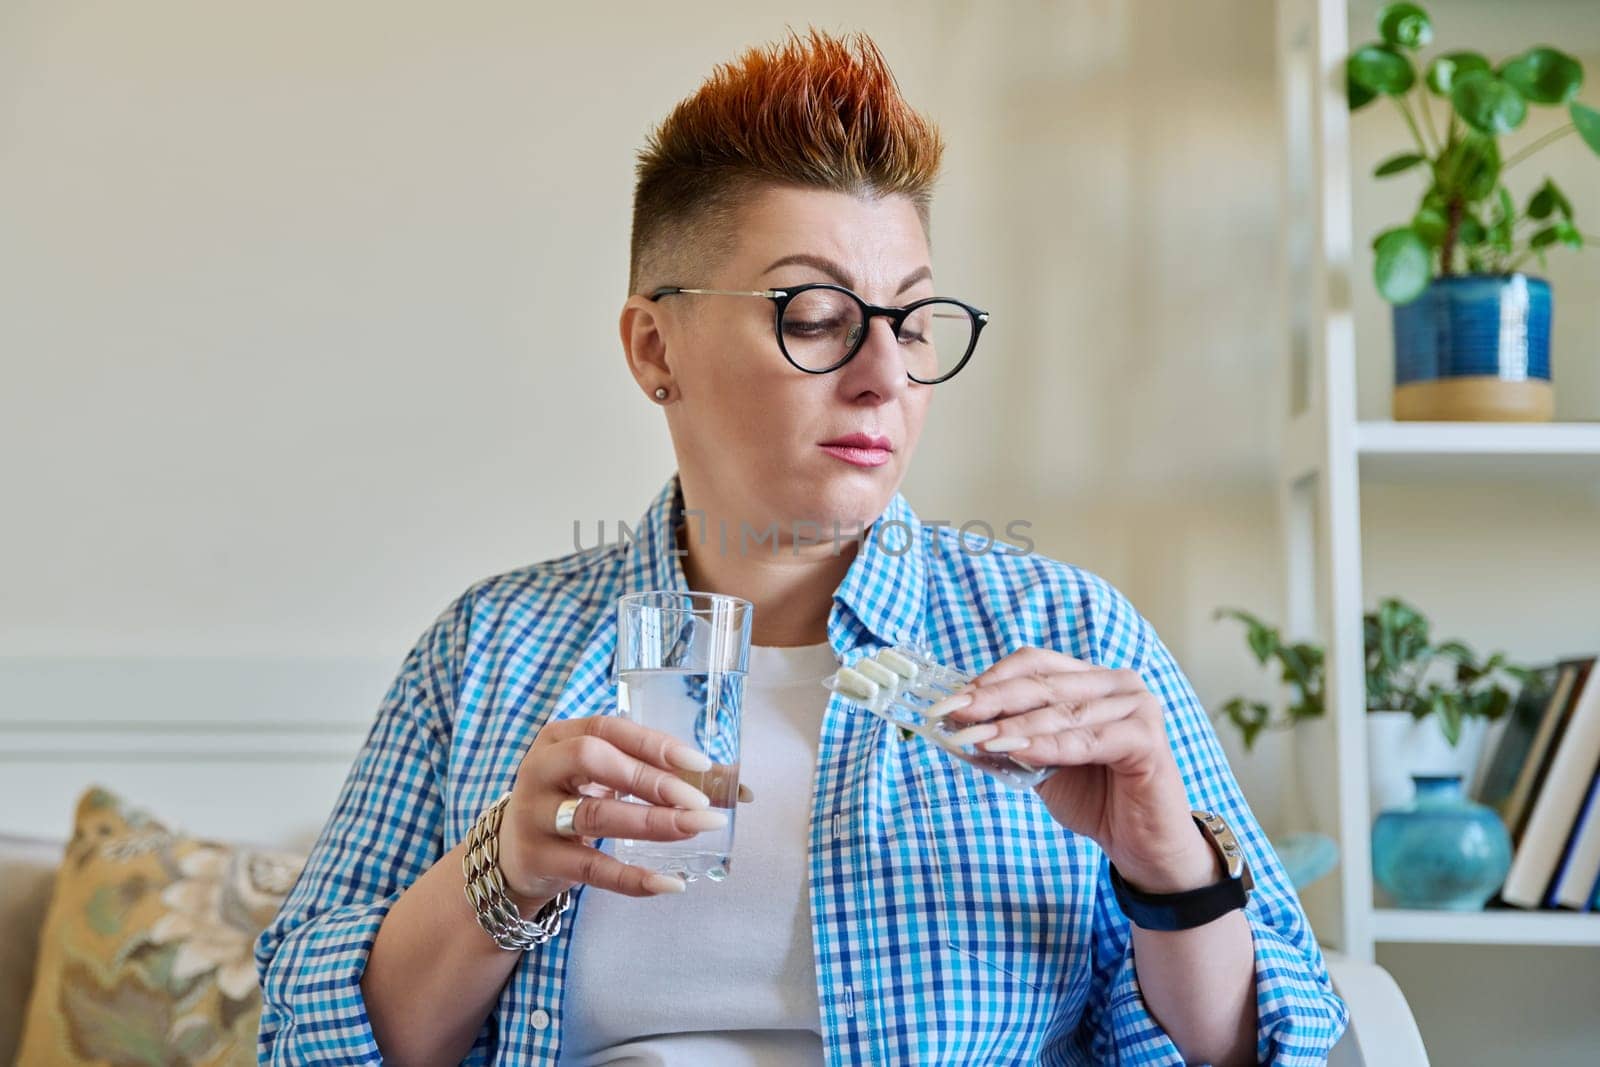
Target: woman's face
<point>749,428</point>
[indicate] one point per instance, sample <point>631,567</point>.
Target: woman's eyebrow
<point>840,275</point>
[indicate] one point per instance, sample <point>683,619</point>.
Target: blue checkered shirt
<point>954,921</point>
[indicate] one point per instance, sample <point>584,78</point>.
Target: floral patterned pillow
<point>146,956</point>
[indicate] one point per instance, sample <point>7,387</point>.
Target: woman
<point>888,904</point>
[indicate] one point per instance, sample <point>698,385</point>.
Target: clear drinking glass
<point>680,668</point>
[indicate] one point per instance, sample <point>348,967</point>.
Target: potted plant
<point>1428,705</point>
<point>1471,330</point>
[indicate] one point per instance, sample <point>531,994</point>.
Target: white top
<point>722,974</point>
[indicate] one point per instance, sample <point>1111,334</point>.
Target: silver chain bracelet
<point>486,889</point>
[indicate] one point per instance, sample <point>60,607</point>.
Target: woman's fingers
<point>1052,719</point>
<point>590,758</point>
<point>639,741</point>
<point>1047,733</point>
<point>1031,659</point>
<point>597,817</point>
<point>1023,693</point>
<point>574,862</point>
<point>1119,745</point>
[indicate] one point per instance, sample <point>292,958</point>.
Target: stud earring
<point>661,392</point>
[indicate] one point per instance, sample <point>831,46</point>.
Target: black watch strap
<point>1192,907</point>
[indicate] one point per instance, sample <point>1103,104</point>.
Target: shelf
<point>1392,925</point>
<point>1477,451</point>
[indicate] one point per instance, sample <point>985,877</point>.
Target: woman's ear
<point>643,328</point>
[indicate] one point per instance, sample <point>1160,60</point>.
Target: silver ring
<point>566,813</point>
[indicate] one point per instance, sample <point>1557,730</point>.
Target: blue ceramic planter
<point>1474,346</point>
<point>1441,852</point>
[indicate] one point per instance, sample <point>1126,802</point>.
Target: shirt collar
<point>883,591</point>
<point>881,598</point>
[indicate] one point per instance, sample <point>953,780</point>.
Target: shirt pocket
<point>1014,890</point>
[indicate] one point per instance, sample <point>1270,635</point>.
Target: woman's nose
<point>890,341</point>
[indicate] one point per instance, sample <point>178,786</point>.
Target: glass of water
<point>680,668</point>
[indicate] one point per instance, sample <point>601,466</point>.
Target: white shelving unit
<point>1328,454</point>
<point>1487,928</point>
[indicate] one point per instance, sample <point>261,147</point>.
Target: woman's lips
<point>861,457</point>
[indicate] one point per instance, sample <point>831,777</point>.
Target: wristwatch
<point>1193,907</point>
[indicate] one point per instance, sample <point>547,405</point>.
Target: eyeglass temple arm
<point>668,290</point>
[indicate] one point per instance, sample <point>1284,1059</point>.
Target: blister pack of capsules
<point>908,688</point>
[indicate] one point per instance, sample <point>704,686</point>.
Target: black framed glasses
<point>821,326</point>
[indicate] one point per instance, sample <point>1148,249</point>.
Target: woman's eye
<point>810,329</point>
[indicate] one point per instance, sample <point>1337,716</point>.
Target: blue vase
<point>1443,851</point>
<point>1475,346</point>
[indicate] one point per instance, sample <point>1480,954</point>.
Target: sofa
<point>1382,1032</point>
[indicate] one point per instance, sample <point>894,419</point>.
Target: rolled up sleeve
<point>1299,1018</point>
<point>386,830</point>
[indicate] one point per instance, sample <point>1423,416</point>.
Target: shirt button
<point>540,1019</point>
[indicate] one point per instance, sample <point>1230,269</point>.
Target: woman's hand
<point>600,758</point>
<point>1118,781</point>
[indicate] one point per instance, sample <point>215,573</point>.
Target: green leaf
<point>1249,716</point>
<point>1445,69</point>
<point>1544,238</point>
<point>1544,75</point>
<point>1568,234</point>
<point>1381,69</point>
<point>1431,225</point>
<point>1501,231</point>
<point>1487,103</point>
<point>1358,95</point>
<point>1498,704</point>
<point>1587,119</point>
<point>1448,708</point>
<point>1396,164</point>
<point>1547,199</point>
<point>1405,25</point>
<point>1470,168</point>
<point>1263,639</point>
<point>1471,232</point>
<point>1403,266</point>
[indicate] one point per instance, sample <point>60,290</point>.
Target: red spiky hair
<point>823,112</point>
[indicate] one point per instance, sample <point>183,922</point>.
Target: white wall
<point>301,304</point>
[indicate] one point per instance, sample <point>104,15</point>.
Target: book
<point>1500,772</point>
<point>1555,809</point>
<point>1519,802</point>
<point>1580,862</point>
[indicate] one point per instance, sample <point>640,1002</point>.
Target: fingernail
<point>946,706</point>
<point>981,732</point>
<point>684,795</point>
<point>745,794</point>
<point>1006,744</point>
<point>688,759</point>
<point>662,883</point>
<point>701,821</point>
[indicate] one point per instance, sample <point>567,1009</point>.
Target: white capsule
<point>898,664</point>
<point>879,673</point>
<point>855,685</point>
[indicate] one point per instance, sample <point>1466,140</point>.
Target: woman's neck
<point>792,594</point>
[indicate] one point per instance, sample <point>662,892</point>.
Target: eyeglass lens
<point>820,327</point>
